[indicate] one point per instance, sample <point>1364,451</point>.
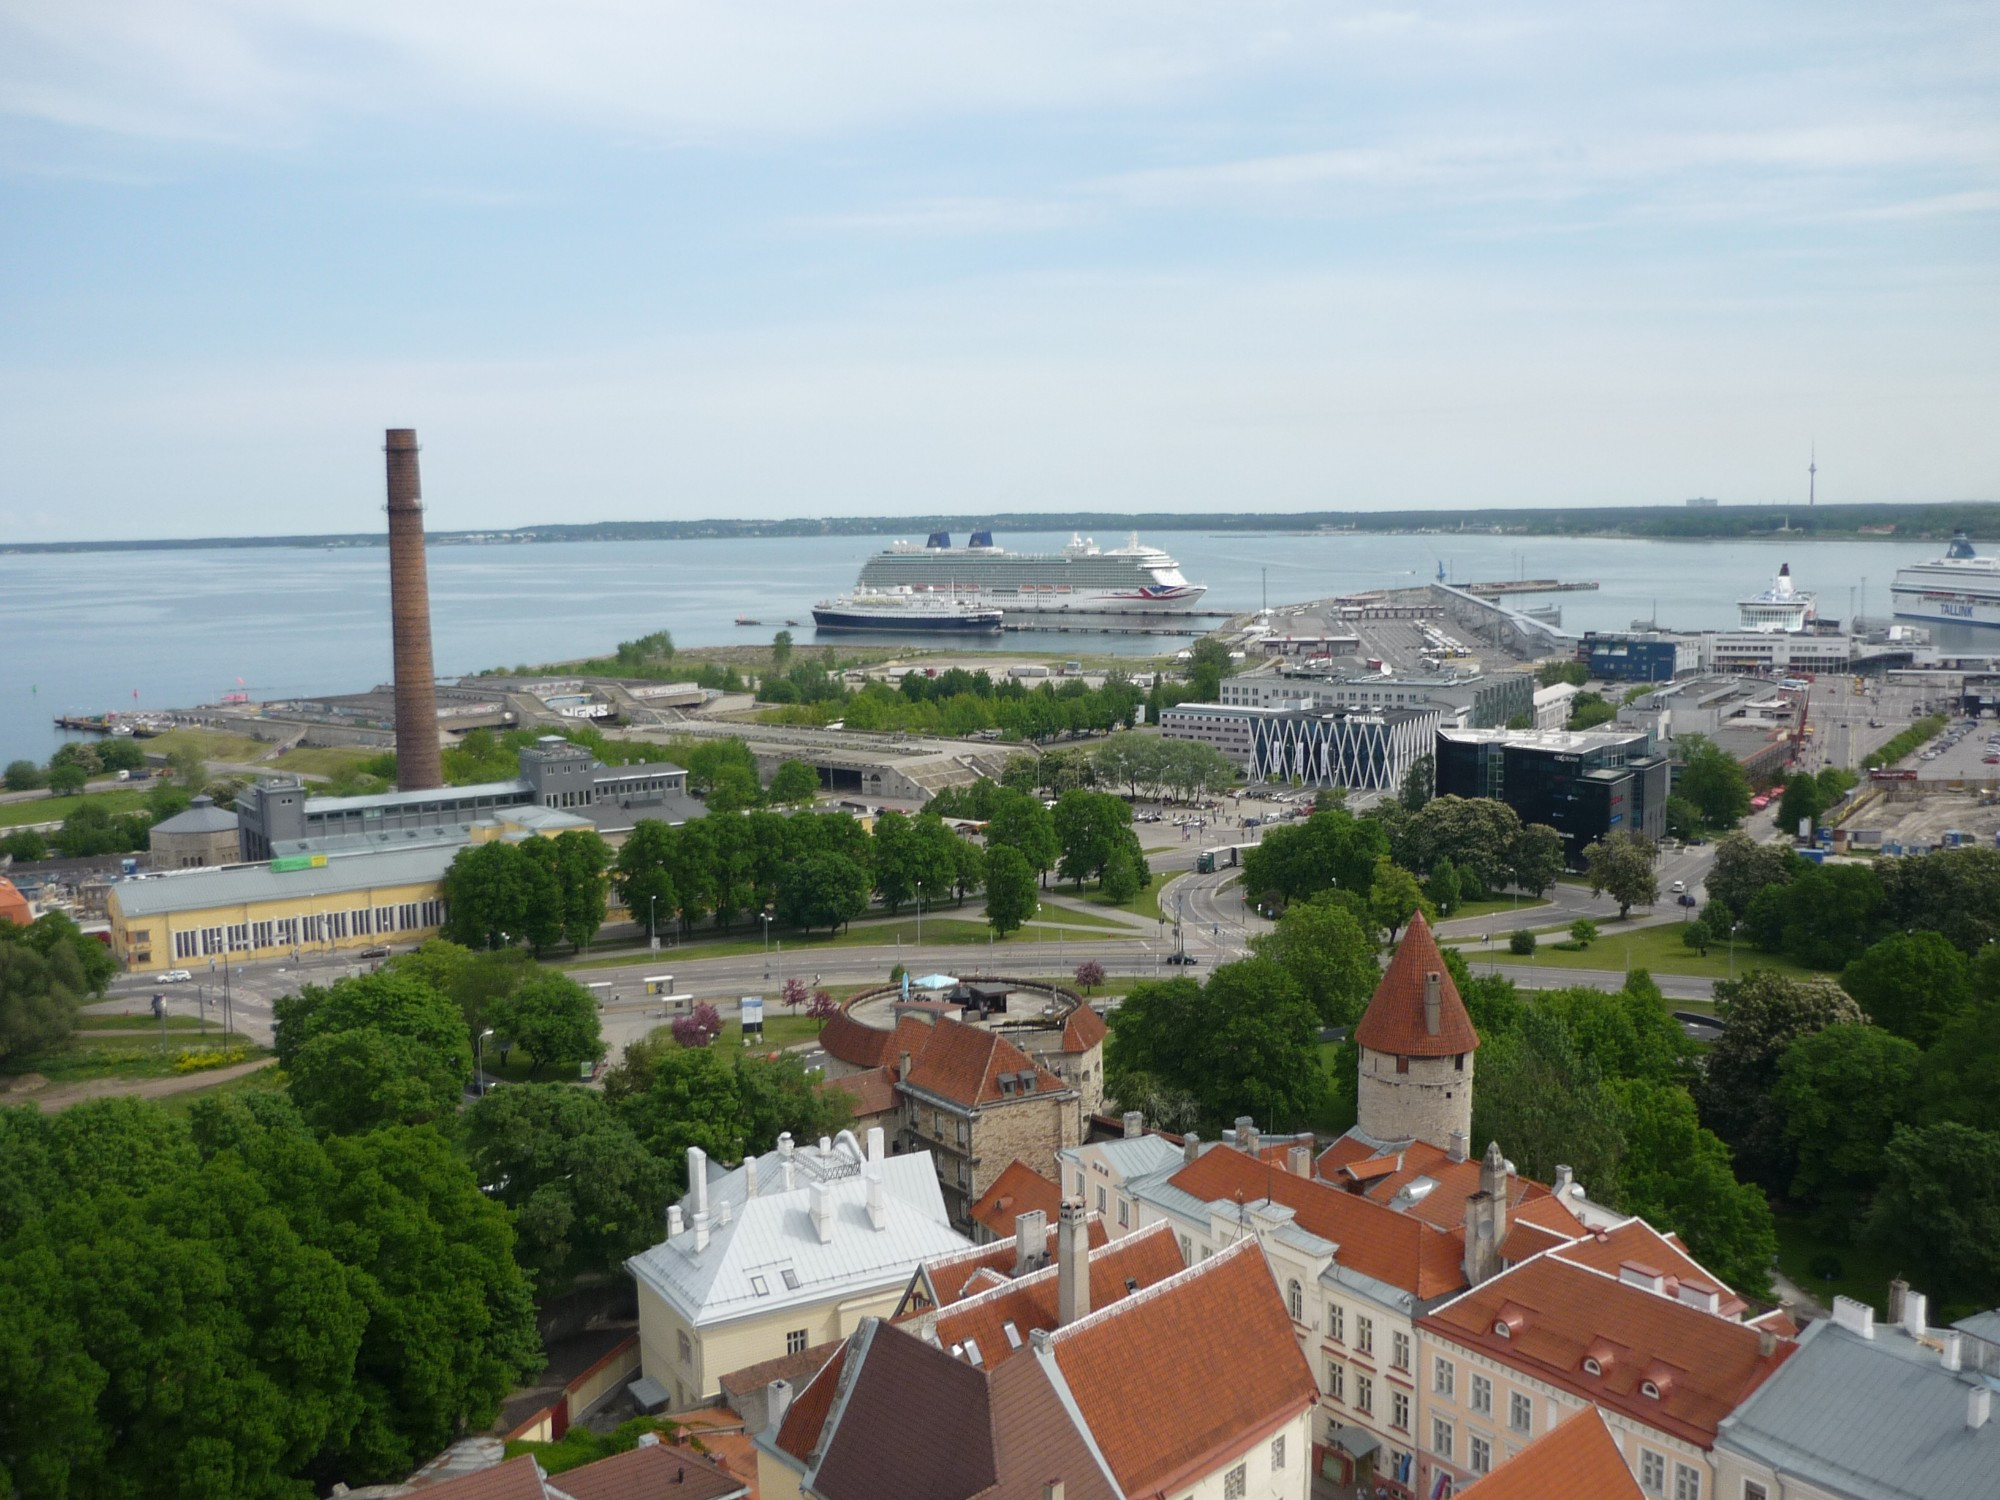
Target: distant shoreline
<point>1912,523</point>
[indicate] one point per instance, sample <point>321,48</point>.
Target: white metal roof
<point>770,1240</point>
<point>229,885</point>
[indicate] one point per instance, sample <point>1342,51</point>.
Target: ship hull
<point>904,621</point>
<point>1945,606</point>
<point>1145,581</point>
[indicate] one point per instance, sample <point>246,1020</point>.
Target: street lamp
<point>479,1060</point>
<point>653,922</point>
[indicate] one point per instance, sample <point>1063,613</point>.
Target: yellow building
<point>305,903</point>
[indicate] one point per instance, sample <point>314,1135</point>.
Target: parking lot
<point>1967,751</point>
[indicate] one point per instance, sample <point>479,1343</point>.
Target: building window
<point>686,1346</point>
<point>1236,1483</point>
<point>408,914</point>
<point>1479,1454</point>
<point>1482,1395</point>
<point>1100,1199</point>
<point>1752,1490</point>
<point>1652,1472</point>
<point>288,932</point>
<point>1081,1185</point>
<point>1441,1437</point>
<point>1687,1483</point>
<point>1124,1214</point>
<point>260,935</point>
<point>795,1341</point>
<point>1295,1300</point>
<point>1364,1395</point>
<point>1336,1323</point>
<point>385,919</point>
<point>211,940</point>
<point>1399,1351</point>
<point>1278,1451</point>
<point>1336,1380</point>
<point>1444,1377</point>
<point>1399,1410</point>
<point>1520,1413</point>
<point>363,920</point>
<point>239,937</point>
<point>1187,1252</point>
<point>186,944</point>
<point>1364,1334</point>
<point>336,925</point>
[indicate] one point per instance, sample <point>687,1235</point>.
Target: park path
<point>57,1096</point>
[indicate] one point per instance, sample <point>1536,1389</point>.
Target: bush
<point>200,1059</point>
<point>697,1029</point>
<point>1583,932</point>
<point>1918,734</point>
<point>1522,942</point>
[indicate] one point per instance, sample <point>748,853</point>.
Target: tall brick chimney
<point>419,763</point>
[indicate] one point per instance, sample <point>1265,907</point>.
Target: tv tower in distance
<point>1812,476</point>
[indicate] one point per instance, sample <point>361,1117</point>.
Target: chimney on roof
<point>1855,1317</point>
<point>1486,1218</point>
<point>1135,1124</point>
<point>1031,1241</point>
<point>649,1440</point>
<point>1299,1161</point>
<point>723,1213</point>
<point>1644,1277</point>
<point>1978,1406</point>
<point>674,1226</point>
<point>1767,1343</point>
<point>822,1213</point>
<point>1052,1490</point>
<point>1705,1298</point>
<point>700,1231</point>
<point>1246,1135</point>
<point>1565,1176</point>
<point>1950,1356</point>
<point>1433,1002</point>
<point>1190,1145</point>
<point>1072,1262</point>
<point>698,1178</point>
<point>874,1142</point>
<point>1456,1150</point>
<point>902,1067</point>
<point>749,1177</point>
<point>1899,1289</point>
<point>777,1401</point>
<point>785,1144</point>
<point>878,1200</point>
<point>1916,1311</point>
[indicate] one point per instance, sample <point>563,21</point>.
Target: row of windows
<point>1236,1482</point>
<point>308,931</point>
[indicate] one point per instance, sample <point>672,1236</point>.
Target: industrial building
<point>1470,700</point>
<point>277,816</point>
<point>1661,655</point>
<point>1650,656</point>
<point>1584,784</point>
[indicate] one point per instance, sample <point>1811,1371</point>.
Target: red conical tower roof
<point>1397,1021</point>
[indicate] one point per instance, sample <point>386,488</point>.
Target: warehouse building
<point>1585,784</point>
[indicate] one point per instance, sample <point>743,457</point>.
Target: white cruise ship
<point>1961,587</point>
<point>1781,607</point>
<point>1080,579</point>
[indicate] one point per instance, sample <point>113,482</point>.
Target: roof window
<point>791,1279</point>
<point>760,1286</point>
<point>1650,1391</point>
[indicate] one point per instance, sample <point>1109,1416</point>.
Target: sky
<point>652,259</point>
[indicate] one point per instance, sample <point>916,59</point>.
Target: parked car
<point>173,976</point>
<point>1679,886</point>
<point>1685,899</point>
<point>375,952</point>
<point>1182,958</point>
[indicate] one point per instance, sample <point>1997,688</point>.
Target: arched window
<point>1296,1300</point>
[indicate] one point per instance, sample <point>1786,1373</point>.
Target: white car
<point>1679,886</point>
<point>173,976</point>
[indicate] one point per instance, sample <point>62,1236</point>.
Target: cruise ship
<point>898,611</point>
<point>1961,587</point>
<point>1081,579</point>
<point>1781,607</point>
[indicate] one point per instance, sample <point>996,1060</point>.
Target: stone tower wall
<point>1427,1103</point>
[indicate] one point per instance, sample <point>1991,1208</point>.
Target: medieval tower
<point>1416,1044</point>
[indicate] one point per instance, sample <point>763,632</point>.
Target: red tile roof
<point>652,1473</point>
<point>1394,1021</point>
<point>953,1277</point>
<point>796,1368</point>
<point>914,1425</point>
<point>963,1065</point>
<point>1116,1271</point>
<point>1638,1243</point>
<point>516,1479</point>
<point>1578,1460</point>
<point>1083,1030</point>
<point>1703,1365</point>
<point>859,1046</point>
<point>799,1433</point>
<point>1397,1248</point>
<point>1019,1189</point>
<point>1035,1441</point>
<point>872,1091</point>
<point>1210,1355</point>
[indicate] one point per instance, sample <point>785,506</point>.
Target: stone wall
<point>1427,1103</point>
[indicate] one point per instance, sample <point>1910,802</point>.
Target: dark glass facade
<point>1584,787</point>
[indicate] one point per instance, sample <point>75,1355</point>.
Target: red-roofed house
<point>1019,1189</point>
<point>1576,1461</point>
<point>1551,1337</point>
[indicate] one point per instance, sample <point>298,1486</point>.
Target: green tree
<point>1442,887</point>
<point>642,875</point>
<point>1475,834</point>
<point>581,859</point>
<point>1010,889</point>
<point>584,1192</point>
<point>78,753</point>
<point>1393,896</point>
<point>1088,828</point>
<point>1955,892</point>
<point>491,894</point>
<point>1587,710</point>
<point>793,784</point>
<point>1910,984</point>
<point>1208,663</point>
<point>822,890</point>
<point>1622,866</point>
<point>382,1047</point>
<point>1676,1175</point>
<point>1542,1097</point>
<point>1521,941</point>
<point>1583,932</point>
<point>121,755</point>
<point>1743,868</point>
<point>67,780</point>
<point>781,649</point>
<point>1829,914</point>
<point>1020,822</point>
<point>1121,880</point>
<point>552,1018</point>
<point>1959,1077</point>
<point>1536,858</point>
<point>1155,1031</point>
<point>1937,1209</point>
<point>1262,1041</point>
<point>187,766</point>
<point>1417,783</point>
<point>1696,935</point>
<point>1328,955</point>
<point>23,776</point>
<point>1763,1013</point>
<point>1683,818</point>
<point>1842,1092</point>
<point>38,998</point>
<point>1803,801</point>
<point>1713,780</point>
<point>1551,673</point>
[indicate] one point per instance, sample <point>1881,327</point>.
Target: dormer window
<point>1650,1391</point>
<point>1501,1329</point>
<point>1592,1367</point>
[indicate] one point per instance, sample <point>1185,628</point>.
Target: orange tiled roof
<point>1703,1365</point>
<point>859,1046</point>
<point>1394,1021</point>
<point>1639,1243</point>
<point>516,1479</point>
<point>1083,1030</point>
<point>963,1064</point>
<point>872,1090</point>
<point>1019,1189</point>
<point>645,1473</point>
<point>1578,1460</point>
<point>953,1276</point>
<point>799,1433</point>
<point>1215,1356</point>
<point>1116,1271</point>
<point>1392,1247</point>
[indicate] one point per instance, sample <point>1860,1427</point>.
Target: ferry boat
<point>899,611</point>
<point>1082,578</point>
<point>1961,588</point>
<point>1781,607</point>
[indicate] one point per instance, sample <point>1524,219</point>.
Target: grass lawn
<point>1507,904</point>
<point>55,809</point>
<point>264,1080</point>
<point>1069,916</point>
<point>1658,949</point>
<point>1146,903</point>
<point>211,744</point>
<point>141,1020</point>
<point>1864,1272</point>
<point>133,1056</point>
<point>324,760</point>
